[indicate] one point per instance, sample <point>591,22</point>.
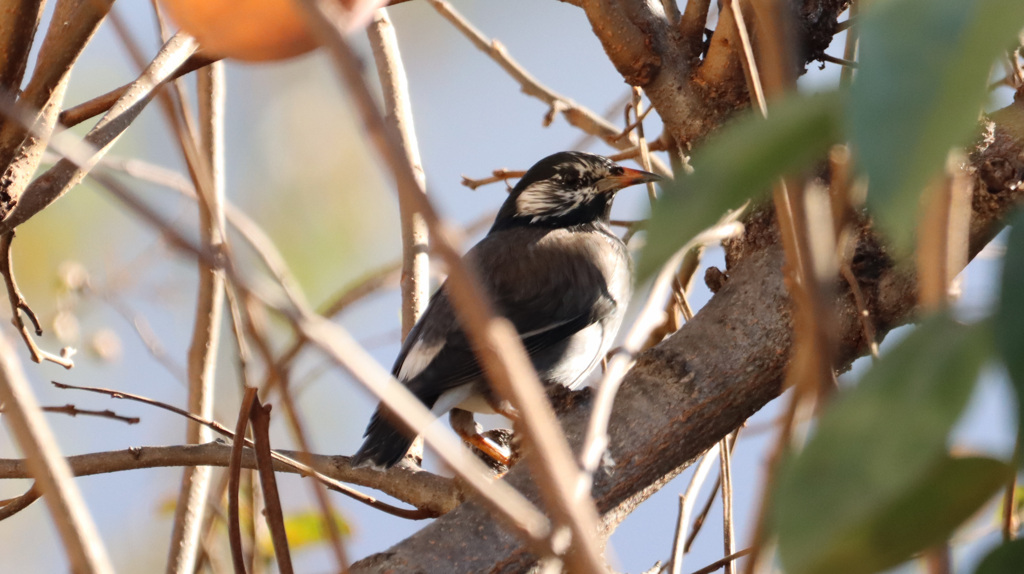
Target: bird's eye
<point>571,180</point>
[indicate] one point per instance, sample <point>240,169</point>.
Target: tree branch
<point>20,150</point>
<point>717,370</point>
<point>434,494</point>
<point>46,464</point>
<point>202,352</point>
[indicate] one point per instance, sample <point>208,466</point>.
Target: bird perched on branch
<point>554,269</point>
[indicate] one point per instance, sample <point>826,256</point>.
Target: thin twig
<point>260,417</point>
<point>717,565</point>
<point>80,540</point>
<point>235,480</point>
<point>12,506</point>
<point>596,441</point>
<point>728,536</point>
<point>221,429</point>
<point>645,153</point>
<point>242,353</point>
<point>698,523</point>
<point>431,494</point>
<point>1009,522</point>
<point>73,411</point>
<point>395,87</point>
<point>496,176</point>
<point>686,503</point>
<point>577,115</point>
<point>841,61</point>
<point>100,104</point>
<point>19,306</point>
<point>278,379</point>
<point>850,48</point>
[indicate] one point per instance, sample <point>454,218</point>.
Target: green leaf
<point>875,444</point>
<point>740,162</point>
<point>1005,559</point>
<point>924,515</point>
<point>1009,319</point>
<point>924,66</point>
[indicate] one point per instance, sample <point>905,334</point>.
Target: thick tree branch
<point>704,381</point>
<point>692,96</point>
<point>20,152</point>
<point>17,29</point>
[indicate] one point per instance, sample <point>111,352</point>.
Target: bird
<point>554,268</point>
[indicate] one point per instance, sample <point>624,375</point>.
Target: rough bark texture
<point>685,394</point>
<point>694,96</point>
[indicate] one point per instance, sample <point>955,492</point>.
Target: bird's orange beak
<point>627,178</point>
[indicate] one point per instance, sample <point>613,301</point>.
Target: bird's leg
<point>503,408</point>
<point>467,428</point>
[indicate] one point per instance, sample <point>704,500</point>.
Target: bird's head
<point>565,189</point>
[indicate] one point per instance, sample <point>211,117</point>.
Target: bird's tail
<point>385,443</point>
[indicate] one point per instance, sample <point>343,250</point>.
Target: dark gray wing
<point>542,283</point>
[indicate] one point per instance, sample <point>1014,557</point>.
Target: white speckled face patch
<point>573,185</point>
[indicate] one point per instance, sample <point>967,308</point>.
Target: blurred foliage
<point>1009,320</point>
<point>304,530</point>
<point>924,66</point>
<point>875,483</point>
<point>749,155</point>
<point>1005,559</point>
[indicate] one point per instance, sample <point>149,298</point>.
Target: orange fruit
<point>253,30</point>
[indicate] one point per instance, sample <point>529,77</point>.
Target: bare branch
<point>260,417</point>
<point>496,176</point>
<point>19,306</point>
<point>728,535</point>
<point>433,494</point>
<point>398,115</point>
<point>234,480</point>
<point>202,353</point>
<point>73,411</point>
<point>12,506</point>
<point>302,467</point>
<point>17,30</point>
<point>47,466</point>
<point>50,186</point>
<point>717,565</point>
<point>75,115</point>
<point>687,501</point>
<point>577,115</point>
<point>20,152</point>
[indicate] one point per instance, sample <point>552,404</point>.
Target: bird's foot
<point>499,451</point>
